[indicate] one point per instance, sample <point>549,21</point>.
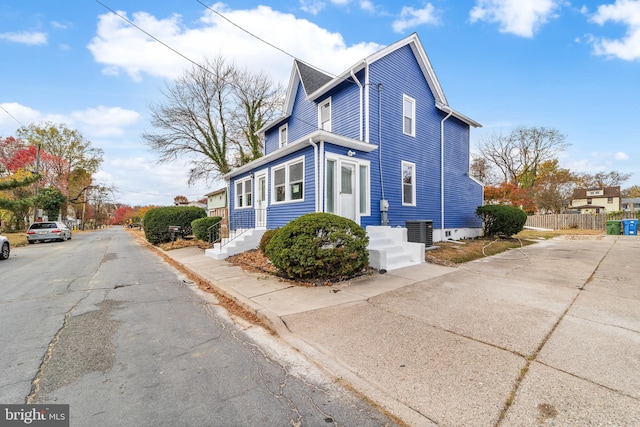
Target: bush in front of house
<point>157,221</point>
<point>501,220</point>
<point>319,246</point>
<point>266,238</point>
<point>201,227</point>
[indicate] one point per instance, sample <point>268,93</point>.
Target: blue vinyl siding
<point>280,214</point>
<point>462,194</point>
<point>423,149</point>
<point>396,74</point>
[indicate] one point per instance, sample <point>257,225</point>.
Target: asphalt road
<point>104,325</point>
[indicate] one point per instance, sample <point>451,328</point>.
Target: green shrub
<point>158,220</point>
<point>501,220</point>
<point>266,238</point>
<point>201,226</point>
<point>319,246</point>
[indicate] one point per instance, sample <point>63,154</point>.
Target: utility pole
<point>35,204</point>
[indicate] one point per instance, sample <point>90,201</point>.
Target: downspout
<point>315,171</point>
<point>360,98</point>
<point>384,203</point>
<point>321,179</point>
<point>366,102</point>
<point>442,172</point>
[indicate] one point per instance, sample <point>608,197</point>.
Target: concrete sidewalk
<point>545,335</point>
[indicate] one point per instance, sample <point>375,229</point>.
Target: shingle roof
<point>581,193</point>
<point>312,78</point>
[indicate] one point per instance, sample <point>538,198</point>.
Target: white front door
<point>261,201</point>
<point>347,186</point>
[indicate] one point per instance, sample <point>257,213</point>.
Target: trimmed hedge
<point>266,238</point>
<point>201,226</point>
<point>501,220</point>
<point>158,220</point>
<point>319,246</point>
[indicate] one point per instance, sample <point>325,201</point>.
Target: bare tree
<point>210,117</point>
<point>603,179</point>
<point>519,154</point>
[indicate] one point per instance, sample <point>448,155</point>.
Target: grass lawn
<point>451,253</point>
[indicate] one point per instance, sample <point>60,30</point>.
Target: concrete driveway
<point>544,335</point>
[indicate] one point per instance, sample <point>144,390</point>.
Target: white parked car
<point>51,230</point>
<point>5,247</point>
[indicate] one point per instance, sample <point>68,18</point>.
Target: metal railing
<point>239,223</point>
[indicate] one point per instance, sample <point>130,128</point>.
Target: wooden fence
<point>581,221</point>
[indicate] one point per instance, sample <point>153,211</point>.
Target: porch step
<point>389,248</point>
<point>249,239</point>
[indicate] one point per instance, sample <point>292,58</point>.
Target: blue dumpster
<point>630,227</point>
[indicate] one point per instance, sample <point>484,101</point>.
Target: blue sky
<point>573,66</point>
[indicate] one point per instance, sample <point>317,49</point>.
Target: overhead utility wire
<point>11,115</point>
<point>272,45</point>
<point>302,120</point>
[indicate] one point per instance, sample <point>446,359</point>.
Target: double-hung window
<point>243,193</point>
<point>284,135</point>
<point>324,115</point>
<point>288,181</point>
<point>408,115</point>
<point>408,184</point>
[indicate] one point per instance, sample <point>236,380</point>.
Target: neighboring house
<point>631,204</point>
<point>596,200</point>
<point>217,203</point>
<point>378,144</point>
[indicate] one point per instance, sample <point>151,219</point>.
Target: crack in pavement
<point>534,356</point>
<point>81,345</point>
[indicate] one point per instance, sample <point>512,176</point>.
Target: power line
<point>11,115</point>
<point>124,18</point>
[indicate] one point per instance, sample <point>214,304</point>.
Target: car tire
<point>4,252</point>
<point>31,242</point>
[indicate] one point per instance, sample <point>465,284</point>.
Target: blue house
<point>378,144</point>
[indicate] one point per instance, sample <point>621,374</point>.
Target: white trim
<point>287,182</point>
<point>282,142</point>
<point>244,193</point>
<point>316,136</point>
<point>413,183</point>
<point>339,159</point>
<point>320,105</point>
<point>261,173</point>
<point>412,102</point>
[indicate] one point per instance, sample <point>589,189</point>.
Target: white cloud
<point>104,121</point>
<point>14,116</point>
<point>621,156</point>
<point>122,48</point>
<point>411,18</point>
<point>367,6</point>
<point>24,37</point>
<point>312,6</point>
<point>95,122</point>
<point>140,181</point>
<point>520,17</point>
<point>626,12</point>
<point>59,25</point>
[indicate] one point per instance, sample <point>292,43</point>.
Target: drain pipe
<point>315,169</point>
<point>384,203</point>
<point>442,172</point>
<point>353,75</point>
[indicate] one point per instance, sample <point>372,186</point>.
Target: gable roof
<point>581,193</point>
<point>312,78</point>
<point>317,83</point>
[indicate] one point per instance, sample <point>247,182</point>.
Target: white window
<point>324,115</point>
<point>243,193</point>
<point>288,181</point>
<point>284,135</point>
<point>408,116</point>
<point>408,184</point>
